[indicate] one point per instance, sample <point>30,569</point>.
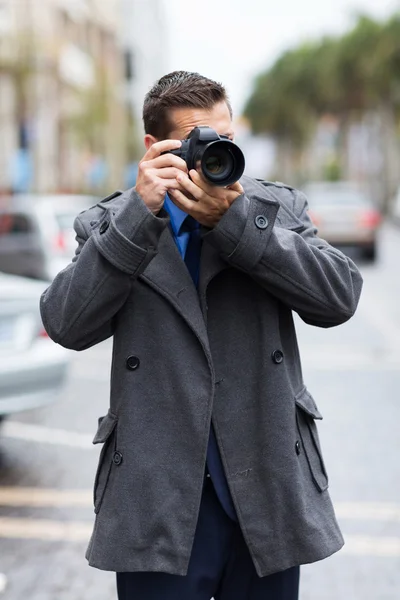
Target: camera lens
<point>214,164</point>
<point>222,163</point>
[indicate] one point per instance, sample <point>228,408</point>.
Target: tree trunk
<point>391,155</point>
<point>343,145</point>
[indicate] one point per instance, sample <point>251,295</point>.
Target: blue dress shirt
<point>214,462</point>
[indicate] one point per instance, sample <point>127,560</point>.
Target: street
<point>47,460</point>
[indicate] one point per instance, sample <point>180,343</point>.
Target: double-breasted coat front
<point>182,357</point>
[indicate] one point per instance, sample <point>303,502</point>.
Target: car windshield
<point>330,197</point>
<point>65,220</point>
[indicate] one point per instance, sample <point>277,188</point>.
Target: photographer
<point>211,480</point>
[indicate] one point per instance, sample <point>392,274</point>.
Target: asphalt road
<point>47,462</point>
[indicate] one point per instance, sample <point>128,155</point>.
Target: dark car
<point>36,233</point>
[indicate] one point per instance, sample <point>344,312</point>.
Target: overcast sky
<point>232,40</point>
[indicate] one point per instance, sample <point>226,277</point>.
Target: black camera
<point>220,160</point>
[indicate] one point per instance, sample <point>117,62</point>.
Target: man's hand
<point>209,202</point>
<point>157,174</point>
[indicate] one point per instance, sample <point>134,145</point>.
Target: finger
<point>167,173</point>
<point>236,187</point>
<point>213,190</point>
<point>216,192</point>
<point>170,184</point>
<point>202,183</point>
<point>190,187</point>
<point>189,206</point>
<point>159,147</point>
<point>166,160</point>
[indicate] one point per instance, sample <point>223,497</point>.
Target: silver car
<point>344,215</point>
<point>32,367</point>
<point>37,238</point>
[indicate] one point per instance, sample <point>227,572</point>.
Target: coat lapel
<point>169,276</point>
<point>211,263</point>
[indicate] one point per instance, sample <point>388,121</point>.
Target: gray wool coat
<point>181,358</point>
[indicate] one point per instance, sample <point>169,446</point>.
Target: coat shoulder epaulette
<point>92,214</point>
<point>278,184</point>
<point>111,197</point>
<point>100,203</point>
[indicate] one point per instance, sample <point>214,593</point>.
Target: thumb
<point>236,187</point>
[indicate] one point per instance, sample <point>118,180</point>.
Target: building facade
<point>144,36</point>
<point>63,110</point>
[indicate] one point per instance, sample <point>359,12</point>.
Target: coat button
<point>117,458</point>
<point>277,356</point>
<point>297,447</point>
<point>104,226</point>
<point>261,222</point>
<point>132,362</point>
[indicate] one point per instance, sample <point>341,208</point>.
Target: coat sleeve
<point>302,270</point>
<point>79,307</point>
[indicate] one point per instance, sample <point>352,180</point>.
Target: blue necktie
<point>214,462</point>
<point>193,248</point>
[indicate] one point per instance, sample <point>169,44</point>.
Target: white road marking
<point>21,496</point>
<point>80,531</point>
<point>3,583</point>
<point>45,529</point>
<point>46,435</point>
<point>367,511</point>
<point>50,497</point>
<point>363,545</point>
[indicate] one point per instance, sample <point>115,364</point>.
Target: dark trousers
<point>220,566</point>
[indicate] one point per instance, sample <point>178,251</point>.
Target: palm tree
<point>348,77</point>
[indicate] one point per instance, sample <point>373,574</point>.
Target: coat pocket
<point>106,434</point>
<point>306,414</point>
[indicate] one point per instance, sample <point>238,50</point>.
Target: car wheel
<point>370,252</point>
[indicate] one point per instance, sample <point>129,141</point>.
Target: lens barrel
<point>222,162</point>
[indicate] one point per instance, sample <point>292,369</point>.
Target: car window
<point>66,220</point>
<point>14,224</point>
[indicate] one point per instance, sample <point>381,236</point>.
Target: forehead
<point>185,119</point>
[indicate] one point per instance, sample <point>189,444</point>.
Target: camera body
<point>216,157</point>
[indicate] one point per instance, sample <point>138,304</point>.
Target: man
<point>211,480</point>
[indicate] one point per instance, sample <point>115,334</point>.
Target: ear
<point>149,140</point>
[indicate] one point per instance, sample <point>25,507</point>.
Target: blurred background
<point>315,88</point>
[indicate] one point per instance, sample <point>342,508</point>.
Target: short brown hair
<point>180,89</point>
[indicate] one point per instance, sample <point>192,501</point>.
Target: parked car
<point>36,233</point>
<point>32,367</point>
<point>344,215</point>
